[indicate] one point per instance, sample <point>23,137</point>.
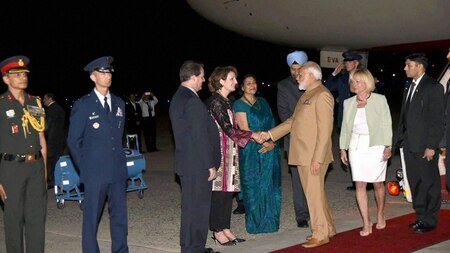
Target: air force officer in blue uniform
<point>95,141</point>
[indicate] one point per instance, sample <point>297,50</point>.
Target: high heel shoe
<point>381,226</point>
<point>366,233</point>
<point>227,243</point>
<point>232,237</point>
<point>237,240</point>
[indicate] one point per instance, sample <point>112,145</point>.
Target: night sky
<point>149,45</point>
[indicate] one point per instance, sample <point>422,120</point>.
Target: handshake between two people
<point>260,137</point>
<point>263,139</point>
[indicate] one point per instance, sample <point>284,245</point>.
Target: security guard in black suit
<point>420,130</point>
<point>23,153</point>
<point>95,143</point>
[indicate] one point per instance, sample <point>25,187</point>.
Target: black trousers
<point>51,163</point>
<point>149,129</point>
<point>425,183</point>
<point>221,204</point>
<point>195,208</point>
<point>52,158</point>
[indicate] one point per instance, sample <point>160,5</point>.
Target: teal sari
<point>260,173</point>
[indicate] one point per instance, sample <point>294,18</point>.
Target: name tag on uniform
<point>94,117</point>
<point>36,111</point>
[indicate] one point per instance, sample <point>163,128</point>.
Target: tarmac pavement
<point>154,220</point>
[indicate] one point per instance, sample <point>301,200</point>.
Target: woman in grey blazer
<point>367,135</point>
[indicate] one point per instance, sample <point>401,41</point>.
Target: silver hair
<point>314,69</point>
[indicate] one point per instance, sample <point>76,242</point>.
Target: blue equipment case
<point>67,182</point>
<point>67,179</point>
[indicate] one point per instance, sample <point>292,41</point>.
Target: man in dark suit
<point>134,119</point>
<point>55,134</point>
<point>420,131</point>
<point>197,155</point>
<point>287,97</point>
<point>95,142</point>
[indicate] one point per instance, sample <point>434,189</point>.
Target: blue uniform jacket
<point>340,83</point>
<point>95,141</point>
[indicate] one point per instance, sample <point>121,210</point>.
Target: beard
<point>301,87</point>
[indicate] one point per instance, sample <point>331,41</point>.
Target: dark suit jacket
<point>134,117</point>
<point>55,130</point>
<point>95,141</point>
<point>288,95</point>
<point>422,126</point>
<point>197,144</point>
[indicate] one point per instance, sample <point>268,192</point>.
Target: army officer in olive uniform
<point>95,143</point>
<point>23,153</point>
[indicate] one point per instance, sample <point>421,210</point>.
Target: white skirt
<point>366,162</point>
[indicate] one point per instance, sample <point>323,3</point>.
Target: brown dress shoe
<point>315,243</point>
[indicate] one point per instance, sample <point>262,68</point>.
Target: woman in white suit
<point>367,135</point>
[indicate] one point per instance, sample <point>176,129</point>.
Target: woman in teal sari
<point>259,164</point>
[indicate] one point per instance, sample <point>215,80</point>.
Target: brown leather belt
<point>27,158</point>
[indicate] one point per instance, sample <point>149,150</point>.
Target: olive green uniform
<point>22,176</point>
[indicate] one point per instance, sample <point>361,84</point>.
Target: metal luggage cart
<point>67,182</point>
<point>136,165</point>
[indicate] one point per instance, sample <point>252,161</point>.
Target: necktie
<point>410,94</point>
<point>106,106</point>
<point>411,90</point>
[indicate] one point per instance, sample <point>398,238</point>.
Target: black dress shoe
<point>422,228</point>
<point>210,250</point>
<point>239,210</point>
<point>415,224</point>
<point>302,224</point>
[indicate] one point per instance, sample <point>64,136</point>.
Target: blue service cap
<point>351,56</point>
<point>102,64</point>
<point>298,57</point>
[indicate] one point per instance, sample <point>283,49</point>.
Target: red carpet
<point>396,237</point>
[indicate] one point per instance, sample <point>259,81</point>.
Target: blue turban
<point>298,57</point>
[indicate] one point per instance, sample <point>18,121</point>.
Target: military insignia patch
<point>15,128</point>
<point>10,113</point>
<point>119,112</point>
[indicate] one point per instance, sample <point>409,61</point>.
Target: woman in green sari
<point>259,164</point>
